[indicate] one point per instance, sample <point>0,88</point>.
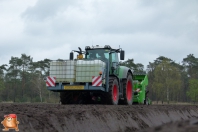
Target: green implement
<point>140,82</point>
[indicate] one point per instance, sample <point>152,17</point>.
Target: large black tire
<point>128,90</point>
<point>113,94</point>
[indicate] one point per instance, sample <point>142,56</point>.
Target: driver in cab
<point>102,56</point>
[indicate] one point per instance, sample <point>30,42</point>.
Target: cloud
<point>145,30</point>
<point>61,52</point>
<point>46,9</point>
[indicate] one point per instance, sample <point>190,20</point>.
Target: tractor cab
<point>105,54</point>
<point>101,54</point>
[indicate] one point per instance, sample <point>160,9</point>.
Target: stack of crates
<point>64,71</point>
<point>85,69</point>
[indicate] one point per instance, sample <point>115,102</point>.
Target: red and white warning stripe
<point>50,81</point>
<point>96,81</point>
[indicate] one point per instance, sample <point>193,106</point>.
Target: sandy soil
<point>190,125</point>
<point>102,118</point>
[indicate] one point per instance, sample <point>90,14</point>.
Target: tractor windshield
<point>97,54</point>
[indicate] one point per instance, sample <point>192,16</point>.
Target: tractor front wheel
<point>113,94</point>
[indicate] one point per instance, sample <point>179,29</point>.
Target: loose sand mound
<point>97,118</point>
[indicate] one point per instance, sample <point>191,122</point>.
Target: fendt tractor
<point>97,78</point>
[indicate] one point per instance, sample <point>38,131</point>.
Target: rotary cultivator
<point>96,76</point>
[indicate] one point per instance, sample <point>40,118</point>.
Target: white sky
<point>144,29</point>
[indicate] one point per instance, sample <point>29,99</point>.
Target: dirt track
<point>99,118</point>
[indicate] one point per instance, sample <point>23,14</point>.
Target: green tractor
<point>96,76</point>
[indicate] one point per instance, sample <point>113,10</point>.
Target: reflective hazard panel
<point>96,81</point>
<point>50,82</point>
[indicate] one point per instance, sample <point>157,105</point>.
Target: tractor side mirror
<point>71,56</point>
<point>122,55</point>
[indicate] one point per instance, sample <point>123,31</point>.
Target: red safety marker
<point>50,81</point>
<point>96,81</point>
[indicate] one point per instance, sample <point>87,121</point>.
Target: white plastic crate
<point>86,69</point>
<point>64,71</point>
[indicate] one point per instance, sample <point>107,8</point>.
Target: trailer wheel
<point>113,94</point>
<point>128,90</point>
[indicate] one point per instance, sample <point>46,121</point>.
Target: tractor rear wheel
<point>128,90</point>
<point>113,94</point>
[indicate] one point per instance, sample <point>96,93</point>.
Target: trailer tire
<point>113,94</point>
<point>128,90</point>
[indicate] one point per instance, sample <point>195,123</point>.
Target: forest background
<point>22,80</point>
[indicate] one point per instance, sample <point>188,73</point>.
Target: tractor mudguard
<point>123,71</point>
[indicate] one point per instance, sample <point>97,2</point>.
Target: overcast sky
<point>145,29</point>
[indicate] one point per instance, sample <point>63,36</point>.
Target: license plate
<point>73,87</point>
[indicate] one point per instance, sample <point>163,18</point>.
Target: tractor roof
<point>98,47</point>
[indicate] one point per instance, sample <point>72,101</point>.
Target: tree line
<point>22,80</point>
<point>168,80</point>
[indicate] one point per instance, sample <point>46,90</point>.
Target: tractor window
<point>97,54</point>
<point>115,57</point>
